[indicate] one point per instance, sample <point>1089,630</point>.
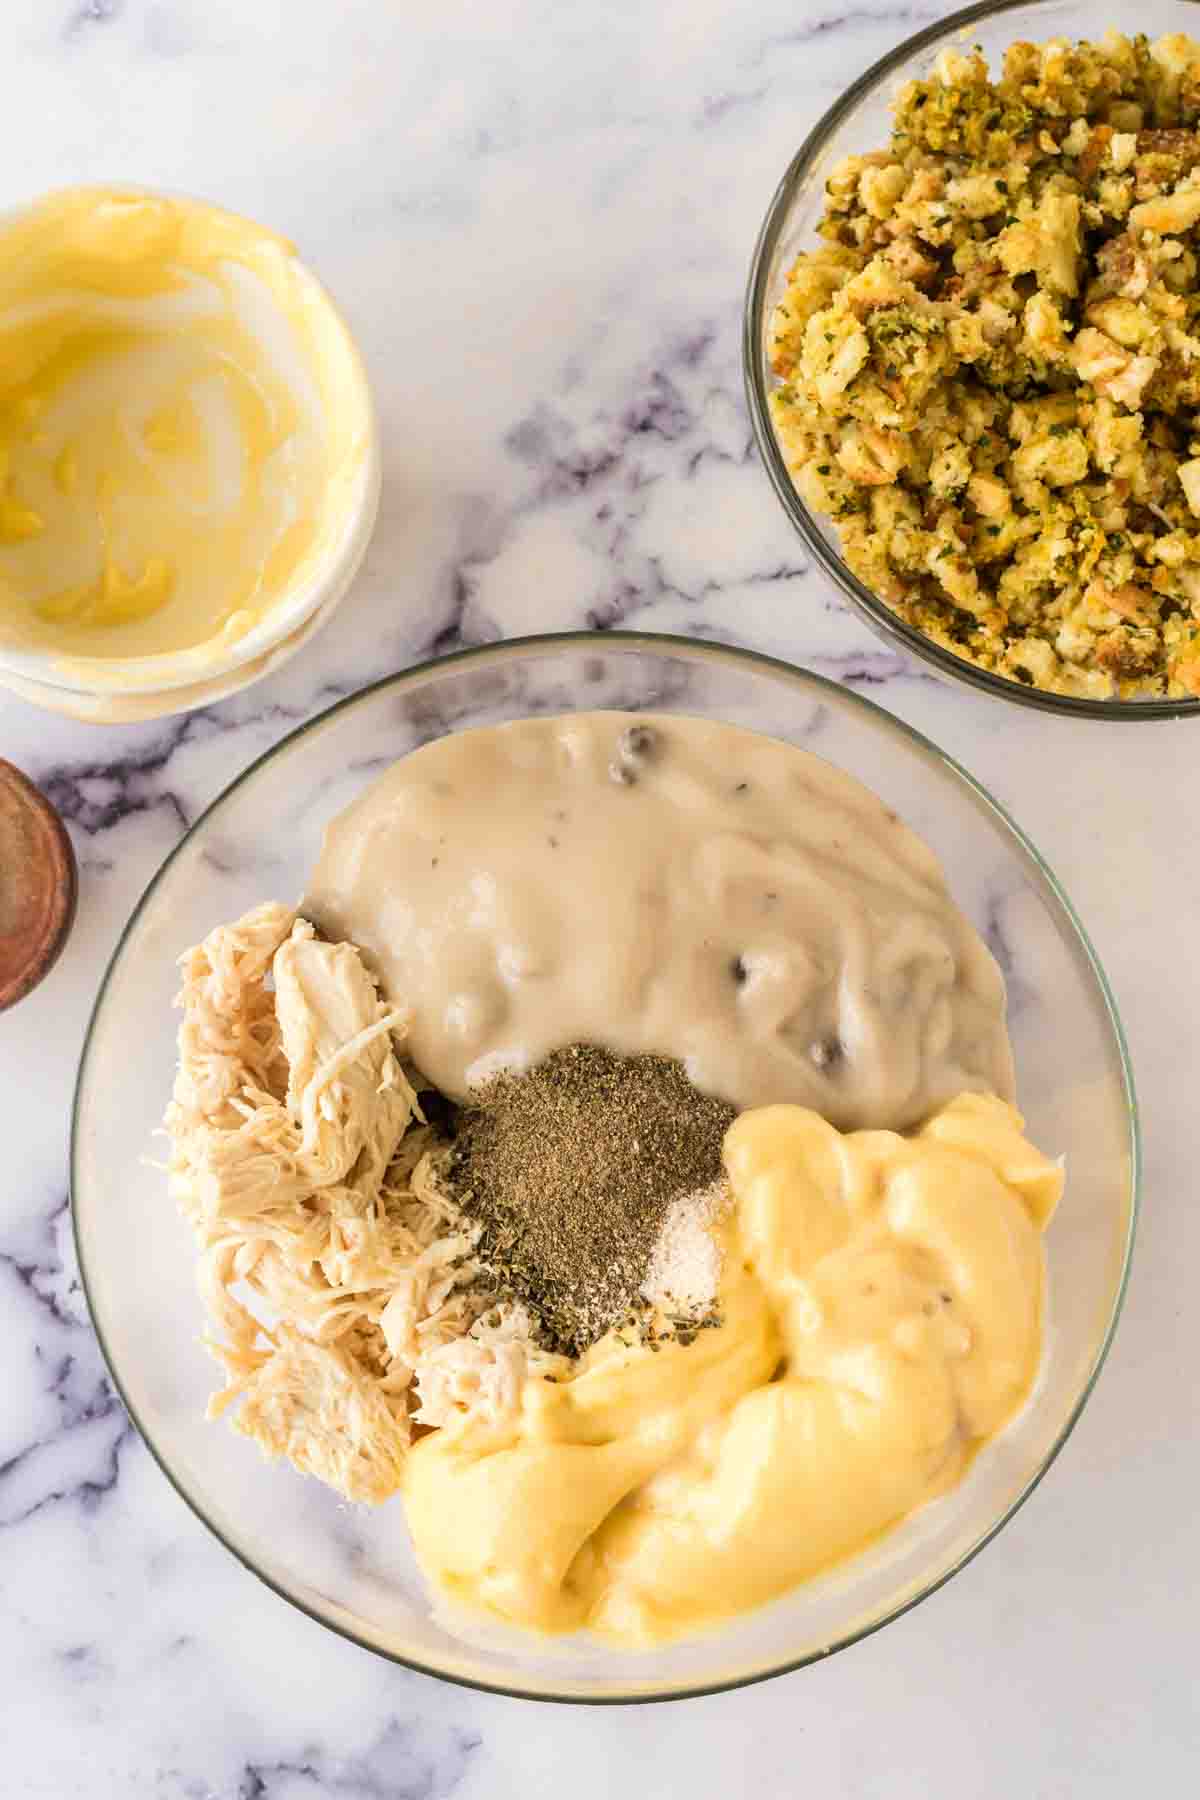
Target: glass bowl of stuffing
<point>972,352</point>
<point>352,1567</point>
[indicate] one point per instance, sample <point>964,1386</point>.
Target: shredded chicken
<point>341,1282</point>
<point>483,1371</point>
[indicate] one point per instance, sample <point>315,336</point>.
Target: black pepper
<point>569,1170</point>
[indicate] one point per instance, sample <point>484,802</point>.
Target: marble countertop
<point>538,217</point>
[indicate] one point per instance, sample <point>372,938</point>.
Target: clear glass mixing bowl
<point>353,1569</point>
<point>861,121</point>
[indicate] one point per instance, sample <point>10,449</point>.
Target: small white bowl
<point>111,689</point>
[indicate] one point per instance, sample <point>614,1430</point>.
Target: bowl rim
<point>173,671</point>
<point>699,650</point>
<point>878,615</point>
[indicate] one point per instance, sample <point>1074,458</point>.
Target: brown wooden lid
<point>37,885</point>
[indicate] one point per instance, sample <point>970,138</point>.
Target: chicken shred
<point>339,1280</point>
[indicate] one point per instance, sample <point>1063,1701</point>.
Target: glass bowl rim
<point>701,650</point>
<point>877,614</point>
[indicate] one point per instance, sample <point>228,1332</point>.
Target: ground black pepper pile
<point>570,1170</point>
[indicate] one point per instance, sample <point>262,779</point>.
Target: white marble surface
<point>538,217</point>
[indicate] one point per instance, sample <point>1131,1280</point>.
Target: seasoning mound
<point>571,1170</point>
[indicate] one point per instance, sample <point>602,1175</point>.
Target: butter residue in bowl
<point>178,438</point>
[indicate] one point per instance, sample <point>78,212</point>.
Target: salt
<point>685,1264</point>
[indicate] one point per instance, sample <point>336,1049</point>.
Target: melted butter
<point>168,426</point>
<point>882,1305</point>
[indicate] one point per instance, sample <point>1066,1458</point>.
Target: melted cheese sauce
<point>882,1306</point>
<point>671,886</point>
<point>169,425</point>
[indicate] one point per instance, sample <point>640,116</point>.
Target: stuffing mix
<point>988,372</point>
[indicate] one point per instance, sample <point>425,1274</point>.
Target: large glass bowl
<point>861,121</point>
<point>352,1568</point>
